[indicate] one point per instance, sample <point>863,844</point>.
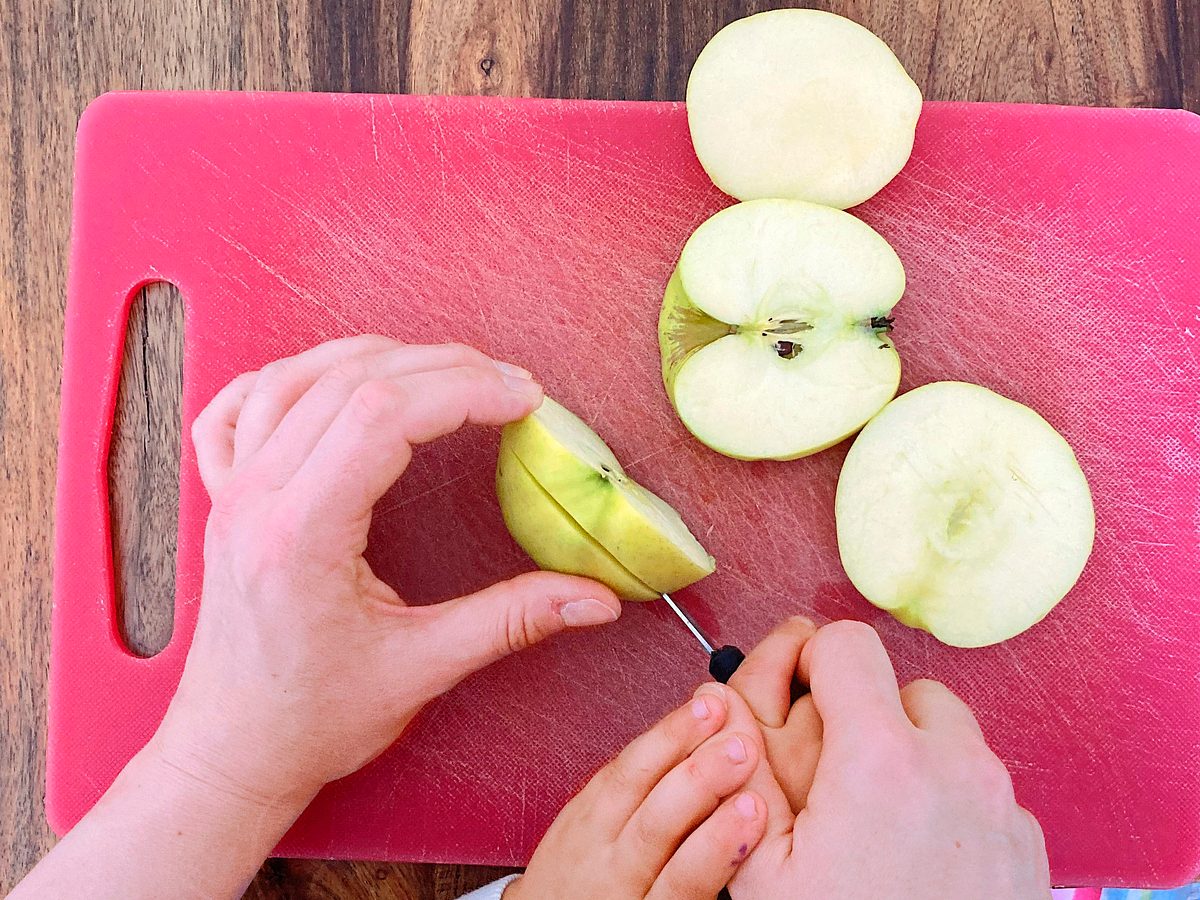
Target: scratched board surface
<point>1051,255</point>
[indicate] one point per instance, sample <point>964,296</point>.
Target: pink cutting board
<point>1052,255</point>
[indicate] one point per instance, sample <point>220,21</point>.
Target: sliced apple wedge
<point>963,513</point>
<point>774,329</point>
<point>803,104</point>
<point>552,538</point>
<point>570,505</point>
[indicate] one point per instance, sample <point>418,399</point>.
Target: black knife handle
<point>724,662</point>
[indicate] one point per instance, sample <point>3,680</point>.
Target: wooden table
<point>56,55</point>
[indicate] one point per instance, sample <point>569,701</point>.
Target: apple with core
<point>774,329</point>
<point>569,504</point>
<point>803,104</point>
<point>963,513</point>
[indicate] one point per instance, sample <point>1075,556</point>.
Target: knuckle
<point>925,690</point>
<point>344,374</point>
<point>375,401</point>
<point>617,777</point>
<point>518,632</point>
<point>848,631</point>
<point>891,757</point>
<point>374,342</point>
<point>994,780</point>
<point>647,832</point>
<point>272,377</point>
<point>462,354</point>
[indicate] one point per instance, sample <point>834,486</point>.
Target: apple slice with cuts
<point>775,326</point>
<point>963,513</point>
<point>803,104</point>
<point>568,502</point>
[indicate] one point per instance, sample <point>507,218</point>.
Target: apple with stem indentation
<point>963,513</point>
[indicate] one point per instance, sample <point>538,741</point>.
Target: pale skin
<point>304,667</point>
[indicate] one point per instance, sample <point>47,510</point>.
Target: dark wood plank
<point>143,469</point>
<point>56,55</point>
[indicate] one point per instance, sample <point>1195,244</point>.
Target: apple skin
<point>568,502</point>
<point>552,538</point>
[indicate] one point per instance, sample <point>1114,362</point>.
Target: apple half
<point>569,504</point>
<point>803,104</point>
<point>775,327</point>
<point>963,513</point>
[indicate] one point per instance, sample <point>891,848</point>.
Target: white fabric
<point>491,891</point>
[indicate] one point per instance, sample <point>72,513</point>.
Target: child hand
<point>905,796</point>
<point>304,666</point>
<point>662,820</point>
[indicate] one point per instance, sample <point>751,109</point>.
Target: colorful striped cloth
<point>1191,892</point>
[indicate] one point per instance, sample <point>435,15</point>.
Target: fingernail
<point>523,386</point>
<point>804,620</point>
<point>711,689</point>
<point>700,708</point>
<point>735,750</point>
<point>587,612</point>
<point>516,371</point>
<point>746,806</point>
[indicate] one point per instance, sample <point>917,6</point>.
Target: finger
<point>369,444</point>
<point>617,790</point>
<point>281,383</point>
<point>764,679</point>
<point>932,706</point>
<point>762,782</point>
<point>794,751</point>
<point>307,421</point>
<point>853,684</point>
<point>213,430</point>
<point>685,797</point>
<point>463,635</point>
<point>707,859</point>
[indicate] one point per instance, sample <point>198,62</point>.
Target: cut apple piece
<point>803,104</point>
<point>571,506</point>
<point>963,513</point>
<point>774,329</point>
<point>552,538</point>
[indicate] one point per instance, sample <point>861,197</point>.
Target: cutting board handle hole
<point>143,469</point>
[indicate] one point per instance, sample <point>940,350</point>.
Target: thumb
<point>473,631</point>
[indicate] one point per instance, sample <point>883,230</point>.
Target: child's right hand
<point>662,820</point>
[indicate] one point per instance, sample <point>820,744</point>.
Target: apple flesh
<point>568,502</point>
<point>774,329</point>
<point>802,104</point>
<point>963,513</point>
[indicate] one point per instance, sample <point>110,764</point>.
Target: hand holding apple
<point>304,666</point>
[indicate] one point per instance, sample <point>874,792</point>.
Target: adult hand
<point>904,797</point>
<point>304,665</point>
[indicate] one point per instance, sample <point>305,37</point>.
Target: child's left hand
<point>664,819</point>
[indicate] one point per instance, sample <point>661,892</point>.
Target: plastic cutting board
<point>1052,255</point>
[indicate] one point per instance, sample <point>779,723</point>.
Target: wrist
<point>225,759</point>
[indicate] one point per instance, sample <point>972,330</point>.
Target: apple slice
<point>570,505</point>
<point>803,104</point>
<point>551,537</point>
<point>963,513</point>
<point>774,329</point>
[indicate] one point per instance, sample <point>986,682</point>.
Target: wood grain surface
<point>55,55</point>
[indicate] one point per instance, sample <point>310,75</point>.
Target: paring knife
<point>722,661</point>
